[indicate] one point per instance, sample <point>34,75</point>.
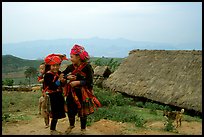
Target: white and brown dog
<point>172,116</point>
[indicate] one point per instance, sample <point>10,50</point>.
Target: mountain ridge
<point>96,47</point>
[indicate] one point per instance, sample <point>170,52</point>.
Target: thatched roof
<point>170,77</point>
<point>102,71</point>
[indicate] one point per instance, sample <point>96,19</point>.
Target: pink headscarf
<point>52,59</point>
<point>77,49</point>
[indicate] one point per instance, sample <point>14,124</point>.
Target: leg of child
<point>83,121</point>
<point>53,130</point>
<point>53,124</point>
<point>40,105</point>
<point>71,120</point>
<point>46,121</point>
<point>71,123</point>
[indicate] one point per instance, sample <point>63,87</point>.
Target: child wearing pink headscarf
<point>79,90</point>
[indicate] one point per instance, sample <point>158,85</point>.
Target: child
<point>53,81</point>
<point>41,72</point>
<point>44,109</point>
<point>78,91</point>
<point>44,99</point>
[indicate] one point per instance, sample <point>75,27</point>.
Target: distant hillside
<point>15,64</point>
<point>97,47</point>
<point>14,67</point>
<point>11,63</point>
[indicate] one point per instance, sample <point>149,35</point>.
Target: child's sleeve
<point>40,78</point>
<point>48,80</point>
<point>89,76</point>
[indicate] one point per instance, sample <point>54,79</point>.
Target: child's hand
<point>44,94</point>
<point>61,77</point>
<point>71,77</point>
<point>41,80</point>
<point>74,83</point>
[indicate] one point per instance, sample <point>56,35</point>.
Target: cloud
<point>145,21</point>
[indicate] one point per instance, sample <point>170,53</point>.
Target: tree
<point>9,82</point>
<point>30,72</point>
<point>98,62</point>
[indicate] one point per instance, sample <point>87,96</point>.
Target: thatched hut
<point>101,73</point>
<point>172,77</point>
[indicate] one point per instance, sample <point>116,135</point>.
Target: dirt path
<point>102,127</point>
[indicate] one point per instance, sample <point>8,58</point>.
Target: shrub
<point>109,98</point>
<point>9,82</point>
<point>116,113</point>
<point>169,126</point>
<point>140,104</point>
<point>112,63</point>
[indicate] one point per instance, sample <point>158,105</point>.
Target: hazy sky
<point>170,22</point>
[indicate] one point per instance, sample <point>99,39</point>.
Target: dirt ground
<point>102,127</point>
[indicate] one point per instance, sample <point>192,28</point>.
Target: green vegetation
<point>8,82</point>
<point>124,109</point>
<point>169,126</point>
<point>20,105</point>
<point>30,72</point>
<point>112,63</point>
<point>15,68</point>
<point>118,108</point>
<point>14,64</point>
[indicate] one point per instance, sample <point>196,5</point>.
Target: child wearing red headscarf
<point>53,82</point>
<point>78,92</point>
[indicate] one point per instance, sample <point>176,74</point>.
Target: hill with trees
<point>13,68</point>
<point>11,63</point>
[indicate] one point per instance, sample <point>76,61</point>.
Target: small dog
<point>172,116</point>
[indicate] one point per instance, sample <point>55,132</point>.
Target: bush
<point>112,63</point>
<point>155,106</point>
<point>8,82</point>
<point>109,98</point>
<point>140,104</point>
<point>6,117</point>
<point>116,113</point>
<point>169,126</point>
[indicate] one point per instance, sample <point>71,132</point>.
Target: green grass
<point>124,109</point>
<point>190,118</point>
<point>19,101</point>
<point>119,114</point>
<point>21,105</point>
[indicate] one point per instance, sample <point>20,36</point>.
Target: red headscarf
<point>52,59</point>
<point>77,49</point>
